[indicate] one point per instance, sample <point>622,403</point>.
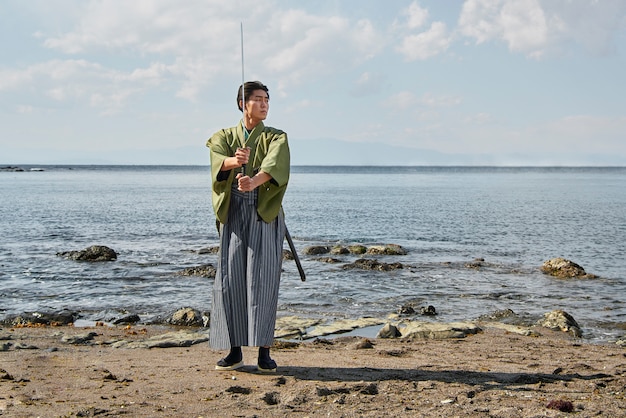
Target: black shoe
<point>225,365</point>
<point>233,361</point>
<point>267,366</point>
<point>265,363</point>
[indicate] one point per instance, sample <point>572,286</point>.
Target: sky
<point>352,82</point>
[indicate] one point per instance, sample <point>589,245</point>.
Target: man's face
<point>258,105</point>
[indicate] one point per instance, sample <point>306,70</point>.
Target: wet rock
<point>565,269</point>
<point>127,319</point>
<point>209,250</point>
<point>5,346</point>
<point>406,310</point>
<point>476,264</point>
<point>357,249</point>
<point>316,250</point>
<point>288,255</point>
<point>339,250</point>
<point>328,260</point>
<point>387,249</point>
<point>561,320</point>
<point>389,331</point>
<point>428,310</point>
<point>498,315</point>
<point>369,264</point>
<point>204,270</point>
<point>188,317</point>
<point>94,253</point>
<point>42,318</point>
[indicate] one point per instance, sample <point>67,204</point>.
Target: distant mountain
<point>310,152</point>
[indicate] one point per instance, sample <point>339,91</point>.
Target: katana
<point>292,247</point>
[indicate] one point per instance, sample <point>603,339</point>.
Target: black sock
<point>235,355</point>
<point>264,354</point>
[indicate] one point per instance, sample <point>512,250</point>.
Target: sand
<point>490,374</point>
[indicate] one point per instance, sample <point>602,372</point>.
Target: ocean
<point>158,218</point>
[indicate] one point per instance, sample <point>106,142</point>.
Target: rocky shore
<point>149,371</point>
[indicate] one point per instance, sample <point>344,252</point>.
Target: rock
<point>22,346</point>
<point>93,253</point>
<point>357,249</point>
<point>476,264</point>
<point>428,310</point>
<point>79,338</point>
<point>338,250</point>
<point>42,318</point>
<point>12,168</point>
<point>341,326</point>
<point>188,317</point>
<point>561,320</point>
<point>389,331</point>
<point>293,326</point>
<point>406,310</point>
<point>127,319</point>
<point>209,250</point>
<point>316,250</point>
<point>204,270</point>
<point>513,329</point>
<point>288,255</point>
<point>565,269</point>
<point>363,343</point>
<point>328,260</point>
<point>369,264</point>
<point>387,249</point>
<point>437,331</point>
<point>170,339</point>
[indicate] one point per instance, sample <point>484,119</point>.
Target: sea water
<point>158,218</point>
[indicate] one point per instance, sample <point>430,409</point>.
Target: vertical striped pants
<point>245,292</point>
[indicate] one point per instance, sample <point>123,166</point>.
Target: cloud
<point>316,46</point>
<point>430,43</point>
<point>417,16</point>
<point>367,84</point>
<point>535,27</point>
<point>400,101</point>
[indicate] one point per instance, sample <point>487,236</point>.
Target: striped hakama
<point>245,293</point>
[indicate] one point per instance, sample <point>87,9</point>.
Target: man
<point>249,173</point>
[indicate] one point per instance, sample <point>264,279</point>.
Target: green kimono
<point>269,153</point>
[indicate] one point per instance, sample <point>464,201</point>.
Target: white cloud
<point>417,16</point>
<point>534,27</point>
<point>400,101</point>
<point>520,23</point>
<point>430,100</point>
<point>426,44</point>
<point>367,84</point>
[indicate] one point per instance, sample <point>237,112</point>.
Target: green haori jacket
<point>269,152</point>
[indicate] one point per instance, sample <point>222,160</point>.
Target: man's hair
<point>249,87</point>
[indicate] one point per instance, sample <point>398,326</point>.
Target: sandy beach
<point>108,371</point>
